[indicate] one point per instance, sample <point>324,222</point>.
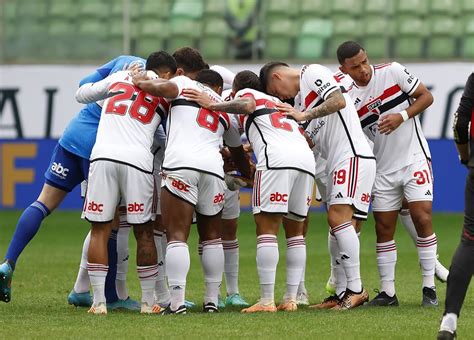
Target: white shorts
<point>202,190</point>
<point>109,182</point>
<point>351,182</point>
<point>231,205</point>
<point>414,182</point>
<point>287,192</point>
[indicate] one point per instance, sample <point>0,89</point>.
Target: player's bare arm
<point>243,105</point>
<point>333,103</point>
<point>156,87</point>
<point>423,99</point>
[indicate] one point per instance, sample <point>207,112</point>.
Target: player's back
<point>80,134</point>
<point>128,122</point>
<point>194,134</point>
<point>278,141</point>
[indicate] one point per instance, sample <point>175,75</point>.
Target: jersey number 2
<point>142,102</point>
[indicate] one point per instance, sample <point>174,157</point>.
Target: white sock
<point>162,292</point>
<point>407,222</point>
<point>122,257</point>
<point>213,266</point>
<point>97,274</point>
<point>386,262</point>
<point>82,281</point>
<point>267,261</point>
<point>301,286</point>
<point>177,267</point>
<point>337,269</point>
<point>231,266</point>
<point>349,249</point>
<point>449,322</point>
<point>295,262</point>
<point>147,276</point>
<point>427,248</point>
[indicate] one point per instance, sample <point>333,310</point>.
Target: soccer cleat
<point>6,274</point>
<point>446,335</point>
<point>328,303</point>
<point>302,299</point>
<point>210,308</point>
<point>351,300</point>
<point>260,307</point>
<point>288,305</point>
<point>168,311</point>
<point>220,302</point>
<point>441,272</point>
<point>79,299</point>
<point>189,304</point>
<point>154,309</point>
<point>127,304</point>
<point>236,300</point>
<point>331,286</point>
<point>383,300</point>
<point>429,297</point>
<point>100,309</point>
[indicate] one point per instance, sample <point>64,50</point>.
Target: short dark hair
<point>347,50</point>
<point>266,70</point>
<point>189,59</point>
<point>210,78</point>
<point>246,79</point>
<point>161,60</point>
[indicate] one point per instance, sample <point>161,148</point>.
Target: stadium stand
<point>438,29</point>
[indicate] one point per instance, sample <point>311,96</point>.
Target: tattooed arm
<point>242,105</point>
<point>334,102</point>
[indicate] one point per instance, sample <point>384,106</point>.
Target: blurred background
<point>72,31</point>
<point>47,46</point>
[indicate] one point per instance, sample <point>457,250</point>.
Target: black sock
<point>460,273</point>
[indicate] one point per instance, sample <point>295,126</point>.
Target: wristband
<point>405,116</point>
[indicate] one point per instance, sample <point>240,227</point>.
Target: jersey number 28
<point>143,105</point>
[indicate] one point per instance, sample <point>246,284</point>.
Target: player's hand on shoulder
<point>138,76</point>
<point>198,96</point>
<point>389,123</point>
<point>290,111</point>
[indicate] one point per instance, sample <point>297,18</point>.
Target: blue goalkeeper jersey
<point>80,134</point>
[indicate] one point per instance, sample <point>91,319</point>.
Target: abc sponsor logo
<point>59,170</point>
<point>180,185</point>
<point>278,198</point>
<point>135,208</point>
<point>94,207</point>
<point>365,198</point>
<point>219,198</point>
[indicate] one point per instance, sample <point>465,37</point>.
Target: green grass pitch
<point>46,272</point>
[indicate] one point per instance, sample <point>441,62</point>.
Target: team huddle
<point>160,145</point>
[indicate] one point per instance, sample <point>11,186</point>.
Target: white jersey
<point>389,91</point>
<point>337,136</point>
<point>194,134</point>
<point>277,141</point>
<point>128,120</point>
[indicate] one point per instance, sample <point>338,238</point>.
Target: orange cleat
<point>352,300</point>
<point>260,307</point>
<point>100,309</point>
<point>327,303</point>
<point>154,309</point>
<point>288,306</point>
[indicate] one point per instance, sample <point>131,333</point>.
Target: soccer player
<point>193,181</point>
<point>282,186</point>
<point>122,167</point>
<point>388,99</point>
<point>72,154</point>
<point>462,265</point>
<point>336,132</point>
